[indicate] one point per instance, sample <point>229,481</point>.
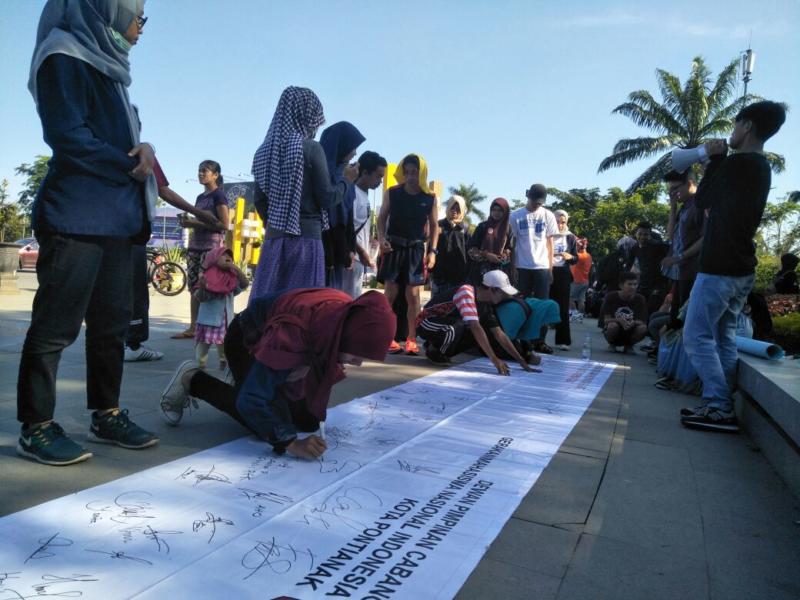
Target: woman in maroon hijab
<point>286,351</point>
<point>489,245</point>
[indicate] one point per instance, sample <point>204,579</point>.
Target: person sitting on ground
<point>786,279</point>
<point>624,315</point>
<point>454,327</point>
<point>286,351</point>
<point>522,320</point>
<point>647,256</point>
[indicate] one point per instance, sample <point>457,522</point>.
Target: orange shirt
<point>580,270</point>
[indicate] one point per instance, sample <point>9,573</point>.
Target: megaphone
<point>683,158</point>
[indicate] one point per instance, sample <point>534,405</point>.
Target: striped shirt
<point>464,299</point>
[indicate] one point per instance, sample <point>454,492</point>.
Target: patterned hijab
<point>494,239</point>
<point>278,162</point>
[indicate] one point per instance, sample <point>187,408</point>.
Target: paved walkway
<point>632,506</point>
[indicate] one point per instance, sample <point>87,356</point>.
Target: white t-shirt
<point>360,216</point>
<point>560,245</point>
<point>531,230</point>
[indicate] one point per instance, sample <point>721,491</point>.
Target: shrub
<point>787,325</point>
<point>767,268</point>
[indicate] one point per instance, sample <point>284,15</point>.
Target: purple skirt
<point>289,263</point>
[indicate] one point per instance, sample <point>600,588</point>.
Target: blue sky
<point>500,94</point>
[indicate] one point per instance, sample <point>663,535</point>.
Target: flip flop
<point>183,335</point>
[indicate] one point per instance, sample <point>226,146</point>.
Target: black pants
<point>683,291</point>
<point>139,327</point>
<point>559,291</point>
<point>80,277</point>
<point>448,336</point>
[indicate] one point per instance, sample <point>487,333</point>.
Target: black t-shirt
<point>649,258</point>
<point>617,307</point>
<point>408,213</point>
<point>735,189</point>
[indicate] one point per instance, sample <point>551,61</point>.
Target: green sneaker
<point>117,428</point>
<point>49,445</point>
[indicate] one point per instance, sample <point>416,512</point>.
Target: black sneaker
<point>116,428</point>
<point>712,418</point>
<point>49,445</point>
<point>542,348</point>
<point>436,357</point>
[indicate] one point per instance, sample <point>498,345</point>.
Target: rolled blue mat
<point>759,348</point>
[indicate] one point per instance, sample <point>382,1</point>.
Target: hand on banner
<point>526,367</point>
<point>502,368</point>
<point>535,359</point>
<point>309,448</point>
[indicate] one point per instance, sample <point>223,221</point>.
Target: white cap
<point>498,279</point>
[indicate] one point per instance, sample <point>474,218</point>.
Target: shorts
<point>577,291</point>
<point>194,263</point>
<point>404,264</point>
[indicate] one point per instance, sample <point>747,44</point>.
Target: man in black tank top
<point>406,211</point>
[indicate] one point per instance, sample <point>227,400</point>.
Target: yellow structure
<point>248,233</point>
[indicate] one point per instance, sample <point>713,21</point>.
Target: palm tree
<point>687,117</point>
<point>472,197</point>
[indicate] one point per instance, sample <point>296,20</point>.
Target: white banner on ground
<point>417,482</point>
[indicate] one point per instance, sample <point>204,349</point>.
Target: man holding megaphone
<point>734,189</point>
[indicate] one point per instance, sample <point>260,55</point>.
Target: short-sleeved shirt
<point>203,239</point>
<point>161,179</point>
<point>360,218</point>
<point>530,230</point>
<point>633,309</point>
<point>472,310</point>
<point>581,269</point>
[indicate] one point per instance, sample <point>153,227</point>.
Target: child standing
<point>218,283</point>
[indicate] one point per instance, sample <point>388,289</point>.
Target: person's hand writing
<point>502,368</point>
<point>309,448</point>
<point>147,159</point>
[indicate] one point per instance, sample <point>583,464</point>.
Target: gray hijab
<point>91,31</point>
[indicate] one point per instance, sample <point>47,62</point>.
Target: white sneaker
<point>142,354</point>
<point>564,347</point>
<point>175,396</point>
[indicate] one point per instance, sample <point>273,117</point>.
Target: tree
<point>11,221</point>
<point>604,219</point>
<point>472,197</point>
<point>34,173</point>
<point>779,232</point>
<point>686,117</point>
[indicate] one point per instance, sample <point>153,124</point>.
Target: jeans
<point>709,334</point>
<point>80,277</point>
<point>534,282</point>
<point>139,327</point>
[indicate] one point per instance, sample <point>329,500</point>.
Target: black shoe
<point>436,357</point>
<point>542,348</point>
<point>711,418</point>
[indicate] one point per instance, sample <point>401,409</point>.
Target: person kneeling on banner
<point>453,327</point>
<point>285,352</point>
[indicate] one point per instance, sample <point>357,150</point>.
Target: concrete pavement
<point>632,506</point>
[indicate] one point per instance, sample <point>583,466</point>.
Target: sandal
<point>664,383</point>
<point>183,335</point>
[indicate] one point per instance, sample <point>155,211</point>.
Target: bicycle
<point>167,278</point>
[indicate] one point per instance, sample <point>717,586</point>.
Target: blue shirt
<point>87,189</point>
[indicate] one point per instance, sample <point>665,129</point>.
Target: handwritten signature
<point>149,533</point>
<point>44,549</point>
<point>211,522</point>
<point>278,558</point>
<point>121,556</point>
<point>43,589</point>
<point>340,502</point>
<point>201,476</point>
<point>126,508</point>
<point>408,467</point>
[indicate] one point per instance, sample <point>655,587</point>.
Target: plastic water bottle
<point>586,351</point>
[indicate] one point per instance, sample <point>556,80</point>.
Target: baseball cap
<point>537,192</point>
<point>498,279</point>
